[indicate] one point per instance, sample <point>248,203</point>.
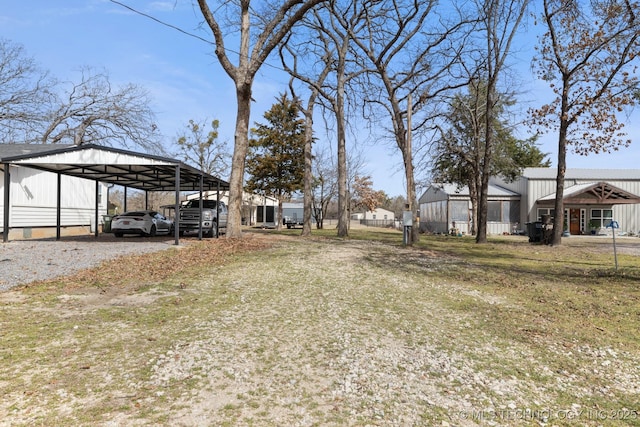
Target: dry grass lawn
<point>276,330</point>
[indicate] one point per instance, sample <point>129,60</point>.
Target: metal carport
<point>108,165</point>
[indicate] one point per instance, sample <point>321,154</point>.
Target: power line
<point>195,36</point>
<point>166,24</point>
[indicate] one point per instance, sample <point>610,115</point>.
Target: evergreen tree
<point>275,162</point>
<point>459,155</point>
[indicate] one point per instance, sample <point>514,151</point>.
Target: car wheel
<point>172,230</point>
<point>152,232</point>
<point>118,234</point>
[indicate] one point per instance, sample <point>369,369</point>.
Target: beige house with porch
<point>592,199</point>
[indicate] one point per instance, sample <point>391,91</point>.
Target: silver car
<point>144,223</point>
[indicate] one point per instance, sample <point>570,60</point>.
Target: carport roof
<point>112,166</point>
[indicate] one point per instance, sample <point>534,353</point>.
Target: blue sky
<point>185,80</point>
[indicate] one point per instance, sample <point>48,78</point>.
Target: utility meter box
<point>407,218</point>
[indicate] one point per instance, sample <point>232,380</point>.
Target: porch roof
<point>593,193</point>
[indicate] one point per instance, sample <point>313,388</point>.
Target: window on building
<point>459,210</point>
<point>601,217</point>
<point>494,211</point>
<point>503,211</point>
<point>546,211</point>
<point>511,211</point>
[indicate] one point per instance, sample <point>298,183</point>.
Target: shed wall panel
<point>27,216</point>
<point>30,187</point>
<point>33,199</point>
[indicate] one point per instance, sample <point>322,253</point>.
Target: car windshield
<point>205,203</point>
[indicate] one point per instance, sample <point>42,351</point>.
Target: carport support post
<point>58,204</point>
<point>200,204</point>
<point>95,219</point>
<point>218,209</point>
<point>5,218</point>
<point>176,219</point>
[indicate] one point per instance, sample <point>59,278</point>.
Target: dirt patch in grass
<point>277,330</point>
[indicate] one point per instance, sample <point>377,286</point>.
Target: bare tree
<point>25,93</point>
<point>325,185</point>
<point>93,111</point>
<point>203,149</point>
<point>588,55</point>
<point>499,23</point>
<point>413,53</point>
<point>308,161</point>
<point>274,20</point>
<point>295,53</point>
<point>332,40</point>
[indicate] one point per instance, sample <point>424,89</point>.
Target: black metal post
<point>58,205</point>
<point>5,219</point>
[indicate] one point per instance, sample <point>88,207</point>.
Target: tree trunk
<point>411,195</point>
<point>241,146</point>
<point>485,170</point>
<point>558,218</point>
<point>473,196</point>
<point>308,171</point>
<point>280,217</point>
<point>404,137</point>
<point>343,202</point>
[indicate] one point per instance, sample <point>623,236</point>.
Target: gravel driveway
<point>25,261</point>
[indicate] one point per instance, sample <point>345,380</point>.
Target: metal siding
<point>520,186</point>
<point>30,187</point>
<point>628,216</point>
<point>494,228</point>
<point>33,199</point>
<point>27,216</point>
<point>76,192</point>
<point>1,200</point>
<point>540,182</point>
<point>537,189</point>
<point>433,194</point>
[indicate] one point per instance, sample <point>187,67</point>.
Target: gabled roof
<point>14,150</point>
<point>583,174</point>
<point>112,166</point>
<point>456,190</point>
<point>594,193</point>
